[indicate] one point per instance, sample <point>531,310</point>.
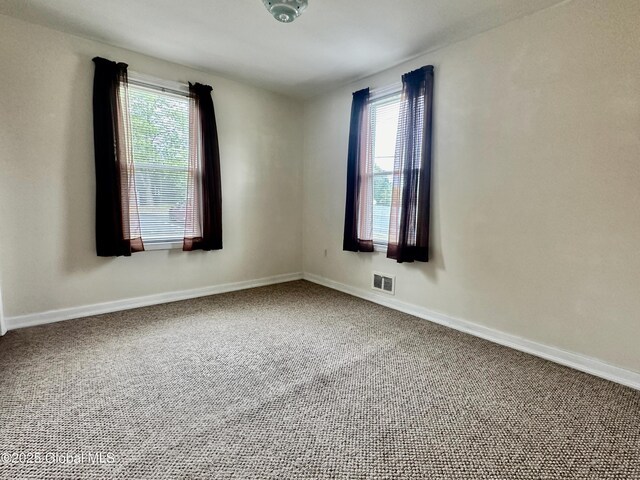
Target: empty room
<point>320,239</point>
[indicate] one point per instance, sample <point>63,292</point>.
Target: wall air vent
<point>384,283</point>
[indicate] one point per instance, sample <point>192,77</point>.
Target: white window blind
<point>160,141</point>
<point>385,112</point>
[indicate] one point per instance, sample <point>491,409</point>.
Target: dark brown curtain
<point>410,198</point>
<point>117,219</point>
<point>358,217</point>
<point>203,227</point>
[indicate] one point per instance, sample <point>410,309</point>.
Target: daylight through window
<point>384,125</point>
<point>160,138</point>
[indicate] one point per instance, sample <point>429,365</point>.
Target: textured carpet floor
<point>298,381</point>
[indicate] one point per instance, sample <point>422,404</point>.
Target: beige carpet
<point>298,381</point>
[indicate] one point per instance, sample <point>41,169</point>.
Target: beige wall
<point>3,327</point>
<point>536,182</point>
<point>47,180</point>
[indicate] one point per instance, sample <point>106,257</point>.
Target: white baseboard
<point>51,316</point>
<point>569,359</point>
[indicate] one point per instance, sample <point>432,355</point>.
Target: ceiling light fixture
<point>285,11</point>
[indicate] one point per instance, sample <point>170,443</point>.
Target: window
<point>387,203</point>
<point>157,164</point>
<point>384,126</point>
<point>160,144</point>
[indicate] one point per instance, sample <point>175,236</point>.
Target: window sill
<point>380,247</point>
<point>169,245</point>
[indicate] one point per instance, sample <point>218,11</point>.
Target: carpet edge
<point>59,315</point>
<point>583,363</point>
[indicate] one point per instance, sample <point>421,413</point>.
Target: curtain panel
<point>203,220</point>
<point>117,219</point>
<point>358,217</point>
<point>411,191</point>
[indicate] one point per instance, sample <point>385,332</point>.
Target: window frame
<point>141,80</point>
<point>379,97</point>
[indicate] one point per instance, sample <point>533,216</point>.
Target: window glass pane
<point>386,128</point>
<point>160,137</point>
<point>384,116</point>
<point>381,206</point>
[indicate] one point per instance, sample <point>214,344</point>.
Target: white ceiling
<point>333,42</point>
